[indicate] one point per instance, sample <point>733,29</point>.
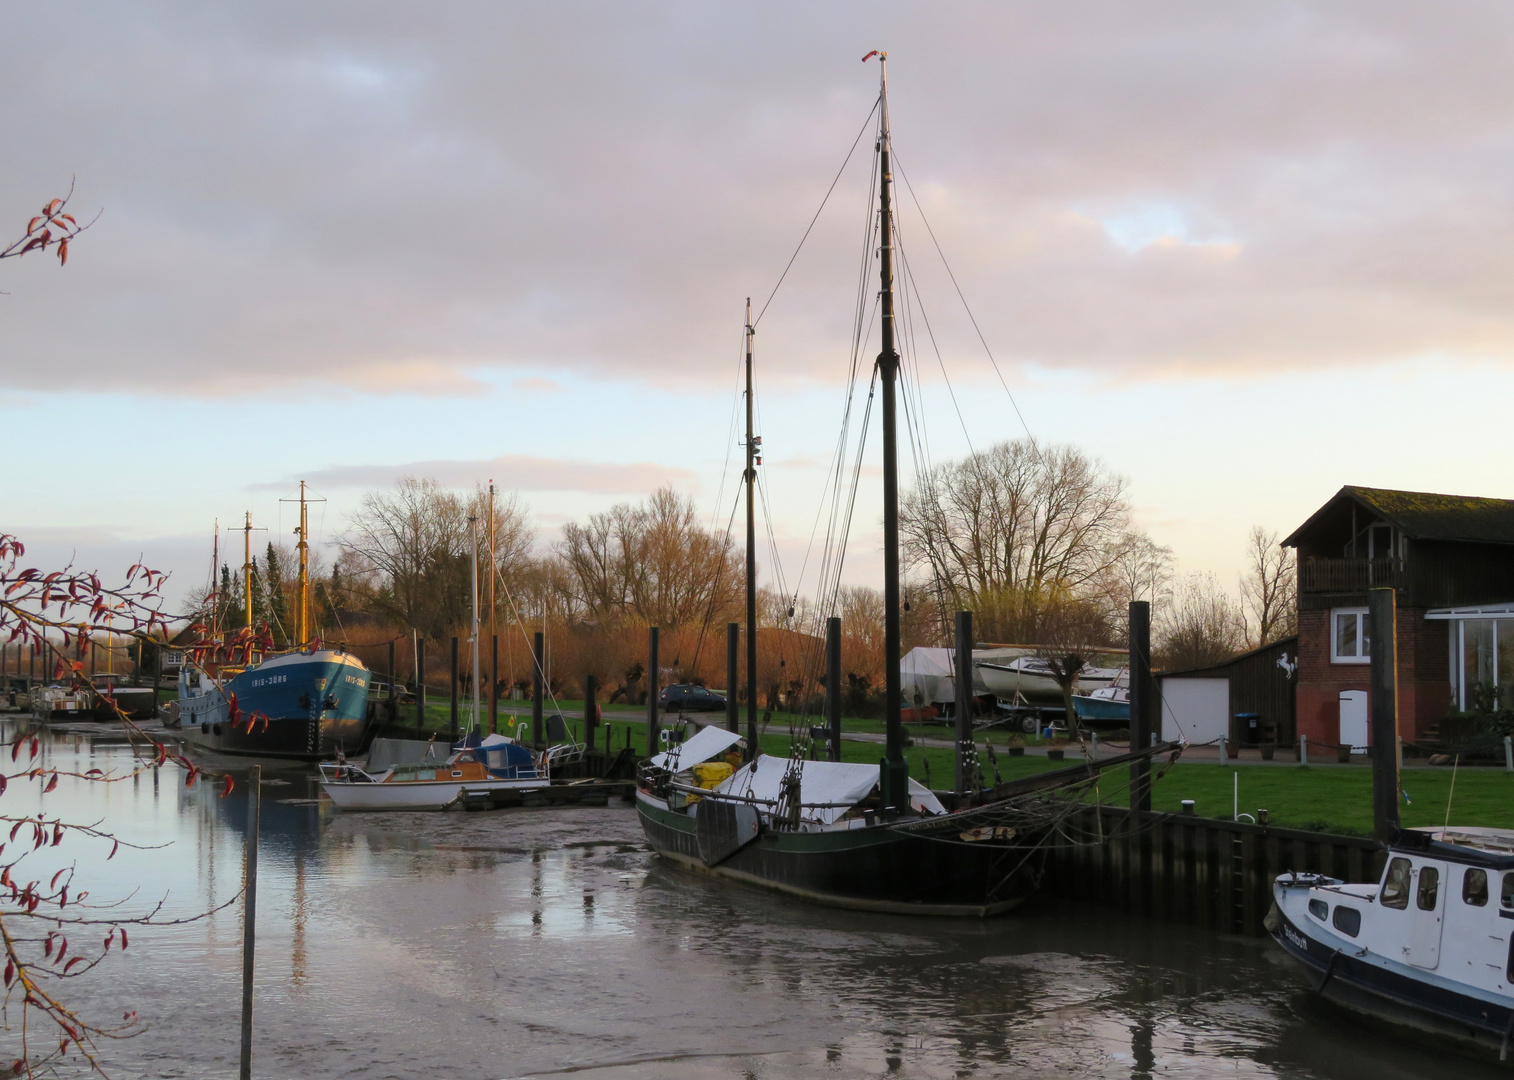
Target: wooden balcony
<point>1349,575</point>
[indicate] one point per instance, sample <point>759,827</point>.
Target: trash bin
<point>1249,728</point>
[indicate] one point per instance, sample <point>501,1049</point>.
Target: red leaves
<point>51,784</point>
<point>69,966</point>
<point>4,783</point>
<point>36,746</point>
<point>124,941</point>
<point>63,253</point>
<point>229,784</point>
<point>114,847</point>
<point>16,747</point>
<point>54,883</point>
<point>10,972</point>
<point>191,777</point>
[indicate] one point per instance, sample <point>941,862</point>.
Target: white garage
<point>1195,709</point>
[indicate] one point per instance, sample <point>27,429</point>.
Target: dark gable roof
<point>1424,515</point>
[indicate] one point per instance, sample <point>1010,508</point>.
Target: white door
<point>1195,709</point>
<point>1427,906</point>
<point>1354,720</point>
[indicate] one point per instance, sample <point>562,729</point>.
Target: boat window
<point>1396,885</point>
<point>1429,888</point>
<point>1474,887</point>
<point>1508,891</point>
<point>1347,920</point>
<point>1319,909</point>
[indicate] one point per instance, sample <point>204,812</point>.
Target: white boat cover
<point>927,676</point>
<point>706,743</point>
<point>843,782</point>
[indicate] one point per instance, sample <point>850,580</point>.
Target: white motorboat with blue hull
<point>1428,949</point>
<point>474,767</point>
<point>298,705</point>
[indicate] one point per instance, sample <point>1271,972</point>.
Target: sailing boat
<point>847,834</point>
<point>476,767</point>
<point>240,697</point>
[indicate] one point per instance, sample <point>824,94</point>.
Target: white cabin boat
<point>494,763</point>
<point>58,703</point>
<point>1430,947</point>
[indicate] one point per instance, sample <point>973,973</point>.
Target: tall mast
<point>894,774</point>
<point>752,460</point>
<point>247,567</point>
<point>473,562</point>
<point>215,580</point>
<point>304,548</point>
<point>493,565</point>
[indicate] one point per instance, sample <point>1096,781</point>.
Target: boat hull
<point>315,705</point>
<point>417,794</point>
<point>1101,710</point>
<point>1388,997</point>
<point>868,869</point>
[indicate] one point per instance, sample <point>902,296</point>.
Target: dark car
<point>685,697</point>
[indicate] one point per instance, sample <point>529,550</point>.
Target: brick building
<point>1451,560</point>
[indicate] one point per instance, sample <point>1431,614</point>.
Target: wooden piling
<point>250,911</point>
<point>964,704</point>
<point>1382,611</point>
<point>833,685</point>
<point>591,708</point>
<point>653,679</point>
<point>538,657</point>
<point>1141,711</point>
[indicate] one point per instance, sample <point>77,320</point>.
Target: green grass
<point>1336,799</point>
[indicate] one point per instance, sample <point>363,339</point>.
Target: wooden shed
<point>1201,704</point>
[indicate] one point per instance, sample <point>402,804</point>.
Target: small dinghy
<point>1430,947</point>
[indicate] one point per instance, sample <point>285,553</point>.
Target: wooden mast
<point>750,476</point>
<point>894,770</point>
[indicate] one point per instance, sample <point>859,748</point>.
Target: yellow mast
<point>304,533</point>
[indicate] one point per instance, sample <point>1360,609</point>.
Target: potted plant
<point>1343,754</point>
<point>1268,749</point>
<point>1015,746</point>
<point>1056,750</point>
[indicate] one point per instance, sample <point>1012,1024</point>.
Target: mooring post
<point>420,683</point>
<point>653,729</point>
<point>538,658</point>
<point>833,685</point>
<point>452,715</point>
<point>1508,754</point>
<point>1382,623</point>
<point>732,675</point>
<point>1303,749</point>
<point>250,911</point>
<point>494,686</point>
<point>591,691</point>
<point>1140,703</point>
<point>964,705</point>
<point>1223,760</point>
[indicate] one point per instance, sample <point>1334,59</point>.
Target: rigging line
<point>965,306</point>
<point>530,649</point>
<point>818,212</point>
<point>913,283</point>
<point>715,589</point>
<point>730,432</point>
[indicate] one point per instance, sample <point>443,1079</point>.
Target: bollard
<point>1508,754</point>
<point>1188,806</point>
<point>1223,759</point>
<point>1303,749</point>
<point>1095,750</point>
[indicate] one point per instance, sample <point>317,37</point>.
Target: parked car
<point>686,697</point>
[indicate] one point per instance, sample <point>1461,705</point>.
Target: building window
<point>1482,664</point>
<point>1349,640</point>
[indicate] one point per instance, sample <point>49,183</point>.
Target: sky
<point>1243,254</point>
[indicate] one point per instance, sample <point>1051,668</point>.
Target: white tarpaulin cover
<point>927,676</point>
<point>706,743</point>
<point>843,782</point>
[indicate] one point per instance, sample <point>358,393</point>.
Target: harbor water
<point>545,942</point>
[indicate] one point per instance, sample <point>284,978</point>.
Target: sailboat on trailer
<point>848,834</point>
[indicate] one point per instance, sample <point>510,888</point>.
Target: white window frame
<point>1361,635</point>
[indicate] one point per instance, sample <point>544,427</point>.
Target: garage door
<point>1195,709</point>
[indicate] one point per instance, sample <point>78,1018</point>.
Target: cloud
<point>535,385</point>
<point>515,472</point>
<point>332,194</point>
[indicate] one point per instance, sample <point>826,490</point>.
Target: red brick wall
<point>1424,677</point>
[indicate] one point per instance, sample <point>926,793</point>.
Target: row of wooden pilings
<point>1203,872</point>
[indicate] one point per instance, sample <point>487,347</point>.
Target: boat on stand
<point>237,694</point>
<point>859,836</point>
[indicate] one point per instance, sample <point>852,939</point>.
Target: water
<point>543,942</point>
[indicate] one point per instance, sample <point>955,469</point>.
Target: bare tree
<point>414,538</point>
<point>1014,528</point>
<point>1140,569</point>
<point>652,563</point>
<point>1202,626</point>
<point>1269,589</point>
<point>1071,634</point>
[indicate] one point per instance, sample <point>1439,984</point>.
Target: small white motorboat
<point>56,703</point>
<point>494,763</point>
<point>1428,949</point>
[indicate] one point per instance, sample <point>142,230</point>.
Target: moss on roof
<point>1428,516</point>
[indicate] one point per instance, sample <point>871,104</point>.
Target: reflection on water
<point>538,942</point>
